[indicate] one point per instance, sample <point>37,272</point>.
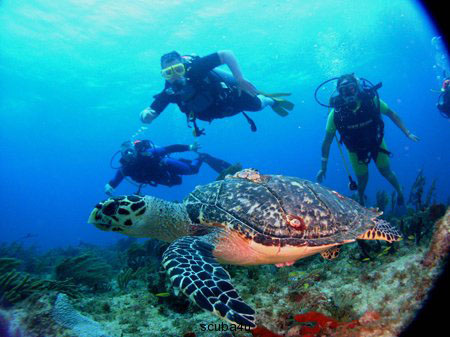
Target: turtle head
<point>141,216</point>
<point>124,214</point>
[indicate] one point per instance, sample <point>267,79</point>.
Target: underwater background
<point>74,76</point>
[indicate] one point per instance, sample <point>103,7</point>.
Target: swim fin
<point>229,171</point>
<point>216,164</point>
<point>281,105</point>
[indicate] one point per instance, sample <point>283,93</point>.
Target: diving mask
<point>349,91</point>
<point>176,70</point>
<point>128,151</point>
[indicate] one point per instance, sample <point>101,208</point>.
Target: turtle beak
<point>96,217</point>
<point>92,217</point>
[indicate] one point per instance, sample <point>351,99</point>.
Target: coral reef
<point>417,192</point>
<point>382,200</point>
<point>65,315</point>
<point>371,289</point>
<point>127,275</point>
<point>8,264</point>
<point>6,328</point>
<point>136,256</point>
<point>440,243</point>
<point>16,286</point>
<point>85,269</point>
<point>416,225</point>
<point>124,278</point>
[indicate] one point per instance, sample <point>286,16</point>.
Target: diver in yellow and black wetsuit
<point>205,93</point>
<point>357,116</point>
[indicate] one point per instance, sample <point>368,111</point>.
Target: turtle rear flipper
<point>194,270</point>
<point>381,231</point>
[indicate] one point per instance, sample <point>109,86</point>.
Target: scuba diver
<point>441,64</point>
<point>148,164</point>
<point>443,103</point>
<point>356,114</point>
<point>205,93</point>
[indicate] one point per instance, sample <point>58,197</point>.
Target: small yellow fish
<point>162,294</point>
<point>385,251</point>
<point>366,259</point>
<point>296,273</point>
<point>411,237</point>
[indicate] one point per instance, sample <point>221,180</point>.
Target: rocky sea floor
<point>376,286</point>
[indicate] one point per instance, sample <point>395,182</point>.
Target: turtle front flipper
<point>194,270</point>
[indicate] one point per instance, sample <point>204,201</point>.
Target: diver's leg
<point>362,174</point>
<point>216,164</point>
<point>362,184</point>
<point>384,167</point>
<point>182,167</point>
<point>265,101</point>
<point>247,102</point>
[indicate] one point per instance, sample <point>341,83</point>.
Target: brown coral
<point>440,242</point>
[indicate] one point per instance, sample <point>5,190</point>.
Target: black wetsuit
<point>444,103</point>
<point>208,94</point>
<point>154,167</point>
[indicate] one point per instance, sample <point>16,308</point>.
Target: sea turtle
<point>246,219</point>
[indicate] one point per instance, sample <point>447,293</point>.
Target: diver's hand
<point>321,175</point>
<point>148,115</point>
<point>194,147</point>
<point>412,136</point>
<point>109,190</point>
<point>243,84</point>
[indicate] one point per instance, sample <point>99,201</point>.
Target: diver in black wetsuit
<point>147,164</point>
<point>443,104</point>
<point>205,93</point>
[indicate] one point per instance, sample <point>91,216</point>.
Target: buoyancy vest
<point>362,130</point>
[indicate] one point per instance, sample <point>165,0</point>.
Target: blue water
<point>74,76</point>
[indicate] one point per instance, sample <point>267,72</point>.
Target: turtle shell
<point>279,210</point>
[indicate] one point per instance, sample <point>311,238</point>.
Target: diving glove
<point>148,115</point>
<point>109,190</point>
<point>194,147</point>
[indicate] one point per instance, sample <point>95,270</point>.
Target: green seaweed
<point>382,200</point>
<point>416,193</point>
<point>125,277</point>
<point>137,256</point>
<point>431,194</point>
<point>85,270</point>
<point>8,263</point>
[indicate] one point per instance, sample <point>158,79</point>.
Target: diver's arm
<point>397,121</point>
<point>112,184</point>
<point>149,114</point>
<point>326,144</point>
<point>117,179</point>
<point>164,150</point>
<point>329,135</point>
<point>227,57</point>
